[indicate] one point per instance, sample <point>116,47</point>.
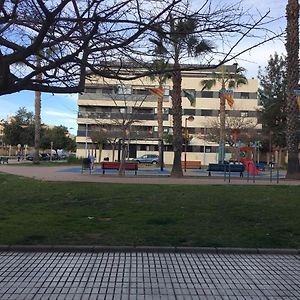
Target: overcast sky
<point>62,109</point>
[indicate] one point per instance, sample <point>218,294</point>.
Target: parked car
<point>148,159</point>
<point>43,156</point>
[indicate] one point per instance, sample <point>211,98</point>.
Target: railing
<point>118,115</point>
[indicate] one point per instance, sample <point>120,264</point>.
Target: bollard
<point>248,174</point>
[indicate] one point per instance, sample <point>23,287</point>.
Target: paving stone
<point>148,275</point>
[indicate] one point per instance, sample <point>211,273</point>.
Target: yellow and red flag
<point>157,91</point>
<point>228,96</point>
<point>297,93</point>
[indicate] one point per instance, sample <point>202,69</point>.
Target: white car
<point>148,159</point>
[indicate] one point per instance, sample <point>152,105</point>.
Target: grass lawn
<point>36,212</point>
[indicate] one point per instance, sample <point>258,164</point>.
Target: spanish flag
<point>228,96</point>
<point>159,92</point>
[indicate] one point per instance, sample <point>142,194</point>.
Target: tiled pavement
<point>148,275</point>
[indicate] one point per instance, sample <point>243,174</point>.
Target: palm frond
<point>203,47</point>
<point>208,84</point>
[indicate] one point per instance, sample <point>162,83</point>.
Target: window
<point>207,94</point>
<point>206,112</point>
<point>244,114</point>
<point>245,95</point>
<point>189,112</point>
<point>140,91</point>
<point>123,89</point>
<point>107,90</point>
<point>90,90</point>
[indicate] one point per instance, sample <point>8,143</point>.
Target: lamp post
<point>186,134</point>
<point>86,138</point>
<point>51,145</point>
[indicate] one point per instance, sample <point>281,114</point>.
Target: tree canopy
<point>273,98</point>
<point>20,129</point>
<point>74,39</point>
<point>58,135</point>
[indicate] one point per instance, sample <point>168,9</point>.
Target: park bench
<point>86,165</point>
<point>226,168</point>
<point>3,160</point>
<point>191,164</point>
<point>114,165</point>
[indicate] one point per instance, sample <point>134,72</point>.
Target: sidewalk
<point>56,174</point>
<point>148,275</point>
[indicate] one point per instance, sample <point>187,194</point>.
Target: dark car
<point>148,159</point>
<point>43,156</point>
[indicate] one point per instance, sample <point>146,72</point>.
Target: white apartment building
<point>108,103</point>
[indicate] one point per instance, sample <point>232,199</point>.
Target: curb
<point>130,249</point>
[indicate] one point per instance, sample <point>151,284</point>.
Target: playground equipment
<point>248,156</point>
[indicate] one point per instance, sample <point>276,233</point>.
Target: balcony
<point>118,116</point>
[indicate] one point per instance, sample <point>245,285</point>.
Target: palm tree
<point>160,74</point>
<point>292,49</point>
<point>228,80</point>
<point>37,116</point>
<point>176,42</point>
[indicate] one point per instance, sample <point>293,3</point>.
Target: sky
<point>62,109</point>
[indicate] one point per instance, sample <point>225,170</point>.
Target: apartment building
<point>111,105</point>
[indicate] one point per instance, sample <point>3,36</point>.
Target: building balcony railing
<point>115,97</point>
<point>138,135</point>
<point>118,116</point>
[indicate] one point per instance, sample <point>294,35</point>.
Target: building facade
<point>128,109</point>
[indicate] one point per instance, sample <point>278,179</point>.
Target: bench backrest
<point>116,165</point>
<point>110,165</point>
<point>226,167</point>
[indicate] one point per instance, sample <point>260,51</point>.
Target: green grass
<point>36,212</point>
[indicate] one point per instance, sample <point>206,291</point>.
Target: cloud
<point>60,114</point>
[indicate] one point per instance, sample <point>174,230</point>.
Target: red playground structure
<point>247,158</point>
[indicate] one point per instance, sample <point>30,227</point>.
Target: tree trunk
<point>37,117</point>
<point>222,126</point>
<point>177,122</point>
<point>123,156</point>
<point>160,121</point>
<point>292,48</point>
<point>100,147</point>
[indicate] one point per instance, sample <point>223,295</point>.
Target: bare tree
<point>85,36</point>
<point>237,129</point>
<point>90,37</point>
<point>119,126</point>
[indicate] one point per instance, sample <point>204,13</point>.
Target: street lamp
<point>186,135</point>
<point>51,145</point>
<point>86,140</point>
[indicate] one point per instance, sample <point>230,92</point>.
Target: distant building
<point>1,132</point>
<point>105,101</point>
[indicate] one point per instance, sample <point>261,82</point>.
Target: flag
<point>191,95</point>
<point>297,93</point>
<point>228,96</point>
<point>157,91</point>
